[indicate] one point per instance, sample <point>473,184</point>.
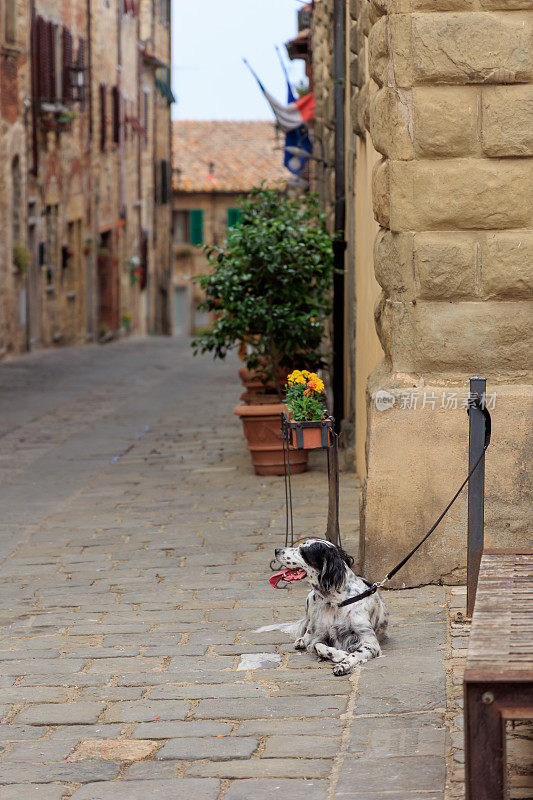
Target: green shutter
<point>234,217</point>
<point>196,226</point>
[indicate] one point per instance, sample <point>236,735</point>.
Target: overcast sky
<point>209,40</point>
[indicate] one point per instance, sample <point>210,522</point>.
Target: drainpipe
<point>339,242</point>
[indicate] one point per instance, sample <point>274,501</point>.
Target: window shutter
<point>144,261</point>
<point>66,66</point>
<point>103,132</point>
<point>234,217</point>
<point>51,30</point>
<point>116,113</point>
<point>157,184</point>
<point>196,226</point>
<point>43,61</point>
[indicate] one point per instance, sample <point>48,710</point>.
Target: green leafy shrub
<point>270,286</point>
<point>21,258</point>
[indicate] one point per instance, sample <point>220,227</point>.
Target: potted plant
<point>270,294</point>
<point>307,408</point>
<point>21,258</point>
<point>126,321</point>
<point>64,120</point>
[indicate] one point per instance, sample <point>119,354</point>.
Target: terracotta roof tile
<point>225,156</point>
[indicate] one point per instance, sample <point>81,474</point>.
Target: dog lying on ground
<point>347,636</point>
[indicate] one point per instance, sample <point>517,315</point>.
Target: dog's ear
<point>349,560</point>
<point>333,573</point>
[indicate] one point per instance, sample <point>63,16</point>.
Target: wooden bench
<point>498,679</point>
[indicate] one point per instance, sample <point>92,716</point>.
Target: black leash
<point>375,586</point>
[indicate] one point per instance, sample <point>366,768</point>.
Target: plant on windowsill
<point>126,321</point>
<point>135,270</point>
<point>64,120</point>
<point>270,294</point>
<point>21,258</point>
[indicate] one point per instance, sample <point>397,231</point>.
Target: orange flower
<point>307,391</point>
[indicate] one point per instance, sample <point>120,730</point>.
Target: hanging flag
<point>289,116</point>
<point>297,143</point>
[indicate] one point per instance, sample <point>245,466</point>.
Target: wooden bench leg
<point>485,757</point>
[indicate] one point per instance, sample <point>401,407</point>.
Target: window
<point>145,114</point>
<point>11,22</point>
<point>103,120</point>
<point>165,171</point>
<point>16,200</point>
<point>51,250</point>
<point>115,101</point>
<point>181,227</point>
<point>196,226</point>
<point>234,217</point>
<point>80,82</point>
<point>164,11</point>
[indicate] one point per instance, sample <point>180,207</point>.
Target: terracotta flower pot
<point>262,428</point>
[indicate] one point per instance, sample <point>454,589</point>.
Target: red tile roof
<point>225,156</point>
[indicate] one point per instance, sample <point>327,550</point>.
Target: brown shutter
<point>116,113</point>
<point>143,280</point>
<point>43,61</point>
<point>103,131</point>
<point>51,62</point>
<point>66,66</point>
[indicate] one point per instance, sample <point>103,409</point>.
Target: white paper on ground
<point>259,660</point>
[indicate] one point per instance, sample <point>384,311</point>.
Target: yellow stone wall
<point>439,145</point>
<point>450,110</point>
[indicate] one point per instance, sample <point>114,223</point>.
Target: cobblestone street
<point>135,543</point>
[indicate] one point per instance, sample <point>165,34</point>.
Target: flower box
<point>308,435</point>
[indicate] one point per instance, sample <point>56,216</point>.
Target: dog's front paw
<point>342,668</point>
<point>300,644</point>
<point>321,650</point>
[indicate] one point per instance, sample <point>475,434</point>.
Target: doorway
<point>180,311</point>
<point>108,286</point>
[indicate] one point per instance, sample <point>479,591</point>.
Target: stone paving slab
<point>134,549</point>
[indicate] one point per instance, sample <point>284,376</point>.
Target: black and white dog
<point>348,636</point>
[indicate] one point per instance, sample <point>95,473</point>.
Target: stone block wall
<point>449,106</point>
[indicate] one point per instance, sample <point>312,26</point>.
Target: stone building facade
<point>215,163</point>
<point>13,175</point>
<point>439,122</point>
<point>94,213</point>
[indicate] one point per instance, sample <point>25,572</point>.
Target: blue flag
<point>296,141</point>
